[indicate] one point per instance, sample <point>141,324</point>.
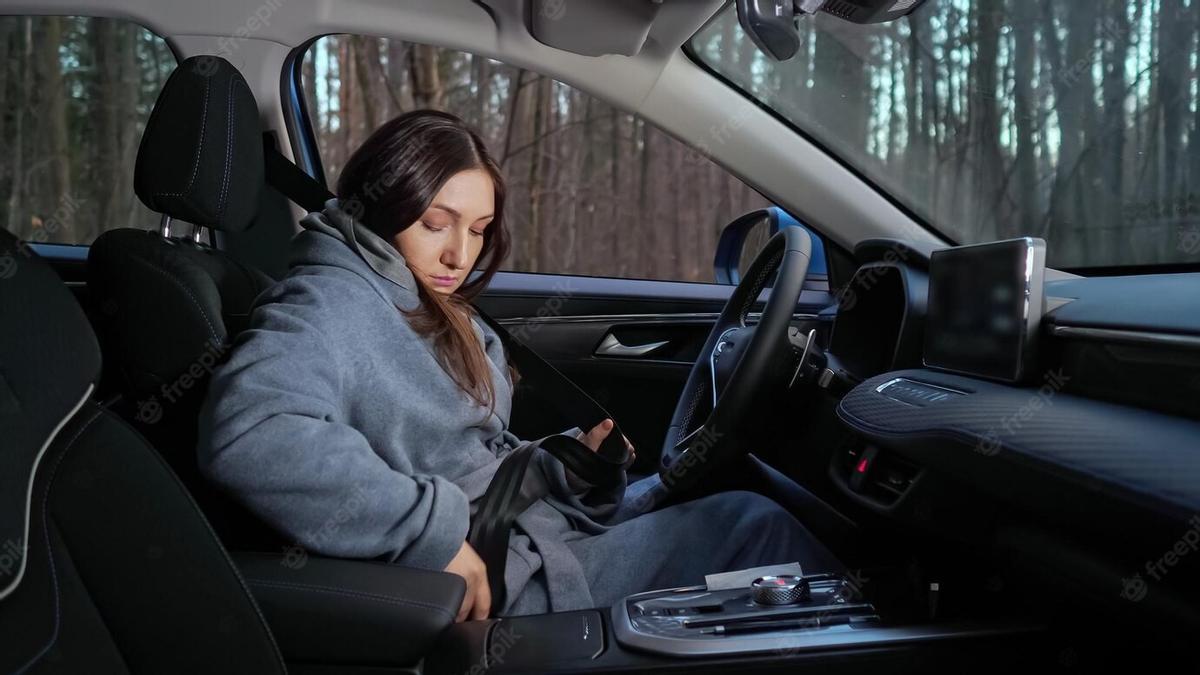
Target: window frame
<point>306,149</point>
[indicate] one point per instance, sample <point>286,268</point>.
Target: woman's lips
<point>443,281</point>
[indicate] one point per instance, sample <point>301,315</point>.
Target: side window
<point>593,191</point>
<point>75,93</point>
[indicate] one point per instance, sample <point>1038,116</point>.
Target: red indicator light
<point>862,466</point>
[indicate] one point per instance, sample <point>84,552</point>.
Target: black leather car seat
<point>106,564</point>
<point>168,308</point>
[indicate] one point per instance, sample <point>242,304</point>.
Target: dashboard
<point>1083,437</point>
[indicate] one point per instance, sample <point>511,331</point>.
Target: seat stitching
<point>353,594</point>
<point>183,286</point>
<point>46,535</point>
<point>228,151</point>
<point>199,148</point>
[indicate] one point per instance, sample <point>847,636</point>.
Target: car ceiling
<point>659,82</point>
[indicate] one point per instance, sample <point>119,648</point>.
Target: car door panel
<point>573,322</point>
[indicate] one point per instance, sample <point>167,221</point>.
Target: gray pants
<point>679,544</point>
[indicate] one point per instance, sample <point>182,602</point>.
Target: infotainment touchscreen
<point>985,305</point>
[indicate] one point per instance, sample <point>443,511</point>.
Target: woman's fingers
<point>596,436</point>
<point>483,600</point>
<point>465,610</point>
<point>477,600</point>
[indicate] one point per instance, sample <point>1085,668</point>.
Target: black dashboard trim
<point>1137,456</point>
<point>1133,337</point>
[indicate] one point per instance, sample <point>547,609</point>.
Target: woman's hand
<point>596,436</point>
<point>477,602</point>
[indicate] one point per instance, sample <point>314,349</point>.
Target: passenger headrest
<point>49,360</point>
<point>201,157</point>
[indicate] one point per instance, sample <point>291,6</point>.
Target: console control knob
<point>784,589</point>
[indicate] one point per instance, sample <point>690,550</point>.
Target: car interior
<point>1001,447</point>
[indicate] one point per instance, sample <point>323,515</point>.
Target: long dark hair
<point>388,183</point>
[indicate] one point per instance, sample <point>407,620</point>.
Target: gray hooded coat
<point>334,422</point>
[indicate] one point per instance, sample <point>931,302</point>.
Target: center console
<point>796,622</point>
<point>774,615</point>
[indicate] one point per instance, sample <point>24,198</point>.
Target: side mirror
<point>742,239</point>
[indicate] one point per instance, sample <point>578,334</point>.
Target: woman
<point>365,411</point>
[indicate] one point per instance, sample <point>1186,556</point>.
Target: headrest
<point>49,360</point>
<point>201,157</point>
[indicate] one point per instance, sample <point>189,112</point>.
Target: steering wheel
<point>737,366</point>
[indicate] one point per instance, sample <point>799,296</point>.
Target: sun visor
<point>592,28</point>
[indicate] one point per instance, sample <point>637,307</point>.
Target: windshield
<point>1072,121</point>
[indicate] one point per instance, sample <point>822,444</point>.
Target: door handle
<point>611,346</point>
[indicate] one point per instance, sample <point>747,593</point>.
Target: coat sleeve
<point>272,434</point>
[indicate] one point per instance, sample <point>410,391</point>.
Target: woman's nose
<point>455,253</point>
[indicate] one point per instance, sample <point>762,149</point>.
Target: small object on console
<point>785,589</point>
<point>740,579</point>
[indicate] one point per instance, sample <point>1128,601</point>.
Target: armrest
<point>325,610</point>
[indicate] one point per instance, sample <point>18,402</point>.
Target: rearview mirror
<point>771,24</point>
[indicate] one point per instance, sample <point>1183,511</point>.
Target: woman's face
<point>444,243</point>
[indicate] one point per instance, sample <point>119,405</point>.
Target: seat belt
<point>504,500</point>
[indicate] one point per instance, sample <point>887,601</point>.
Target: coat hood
<point>358,245</point>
